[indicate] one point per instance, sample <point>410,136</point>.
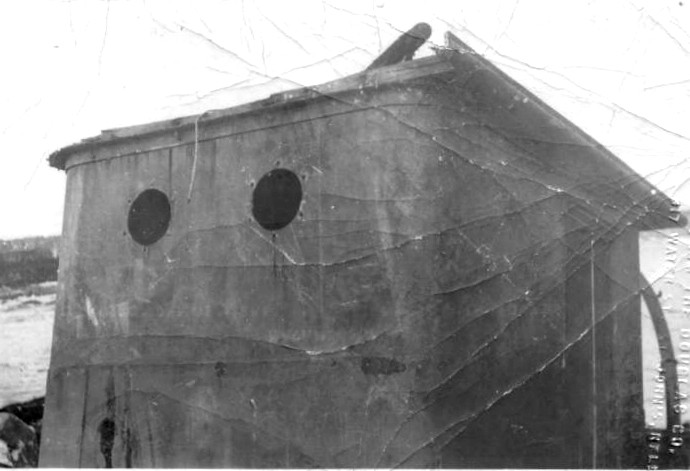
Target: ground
<point>26,329</point>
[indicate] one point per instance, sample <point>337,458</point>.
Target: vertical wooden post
<point>619,351</point>
<point>578,369</point>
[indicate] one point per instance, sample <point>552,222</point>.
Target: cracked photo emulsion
<point>390,238</point>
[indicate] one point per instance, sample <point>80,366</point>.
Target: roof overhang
<point>569,159</point>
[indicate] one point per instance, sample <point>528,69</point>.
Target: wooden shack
<point>420,265</point>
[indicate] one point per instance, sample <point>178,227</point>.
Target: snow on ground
<point>26,330</point>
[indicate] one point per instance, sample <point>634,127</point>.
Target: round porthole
<point>276,199</point>
<point>149,217</point>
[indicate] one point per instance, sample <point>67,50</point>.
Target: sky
<point>618,69</point>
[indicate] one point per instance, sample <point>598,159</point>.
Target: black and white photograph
<point>345,234</point>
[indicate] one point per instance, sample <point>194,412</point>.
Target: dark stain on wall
<point>381,366</point>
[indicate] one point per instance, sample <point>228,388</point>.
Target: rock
<point>18,443</point>
<point>29,412</point>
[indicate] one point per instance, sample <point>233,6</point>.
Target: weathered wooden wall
<point>419,311</point>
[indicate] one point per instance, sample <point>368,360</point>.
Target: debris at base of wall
<point>18,443</point>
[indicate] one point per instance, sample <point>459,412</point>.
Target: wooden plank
<point>604,365</point>
<point>579,365</point>
<point>63,420</point>
<point>619,350</point>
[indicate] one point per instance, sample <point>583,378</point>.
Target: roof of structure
<point>572,161</point>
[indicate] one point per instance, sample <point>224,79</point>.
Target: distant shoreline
<point>28,261</point>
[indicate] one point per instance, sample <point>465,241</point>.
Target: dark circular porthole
<point>276,199</point>
<point>149,217</point>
